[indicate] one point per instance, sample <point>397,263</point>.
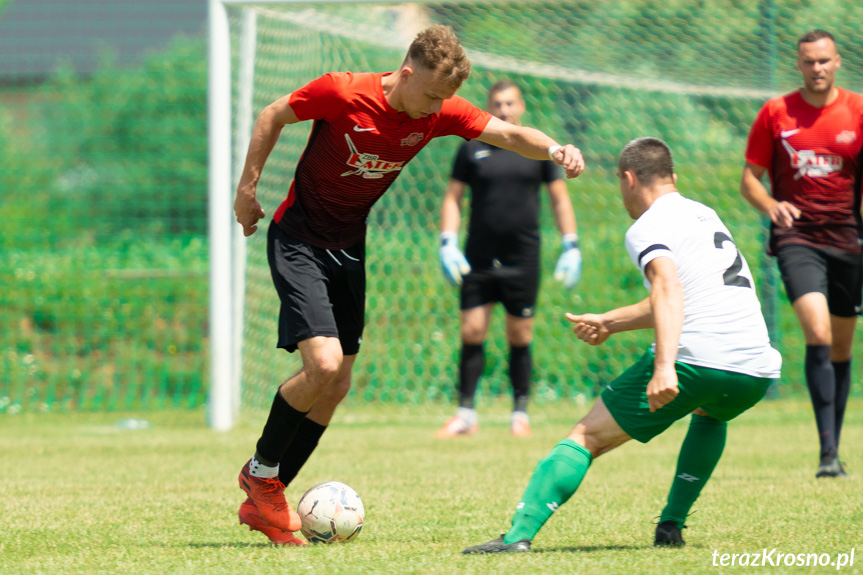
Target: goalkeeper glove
<point>568,269</point>
<point>452,260</point>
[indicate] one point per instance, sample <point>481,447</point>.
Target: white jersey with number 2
<point>723,327</point>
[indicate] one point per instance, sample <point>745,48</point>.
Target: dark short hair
<point>814,36</point>
<point>438,49</point>
<point>648,158</point>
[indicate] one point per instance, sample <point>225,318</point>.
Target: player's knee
<point>339,389</point>
<point>325,366</point>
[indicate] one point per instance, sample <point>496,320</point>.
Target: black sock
<point>520,366</point>
<point>470,370</point>
<point>822,390</point>
<point>298,452</point>
<point>279,431</point>
<point>842,371</point>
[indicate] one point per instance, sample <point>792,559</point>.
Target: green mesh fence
<point>596,74</point>
<point>103,252</point>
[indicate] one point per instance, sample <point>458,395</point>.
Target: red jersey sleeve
<point>759,146</point>
<point>458,117</point>
<point>321,99</point>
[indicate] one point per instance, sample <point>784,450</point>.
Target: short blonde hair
<point>438,49</point>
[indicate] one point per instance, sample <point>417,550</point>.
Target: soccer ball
<point>331,512</point>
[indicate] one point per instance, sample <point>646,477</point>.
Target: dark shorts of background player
<point>837,275</point>
<point>322,292</point>
<point>515,288</point>
<point>721,394</point>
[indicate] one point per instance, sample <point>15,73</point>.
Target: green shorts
<point>721,394</point>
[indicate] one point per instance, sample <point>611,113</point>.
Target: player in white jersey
<point>711,357</point>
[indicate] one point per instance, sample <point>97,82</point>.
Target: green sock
<point>698,457</point>
<point>553,482</point>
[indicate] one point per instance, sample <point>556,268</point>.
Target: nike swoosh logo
<point>788,133</point>
<point>358,129</point>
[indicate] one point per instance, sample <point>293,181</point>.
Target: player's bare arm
<point>666,301</point>
<point>561,207</point>
<point>596,328</point>
<point>532,143</point>
<point>782,214</point>
<point>265,134</point>
<point>450,217</point>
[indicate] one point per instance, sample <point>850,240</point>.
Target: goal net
<point>596,74</point>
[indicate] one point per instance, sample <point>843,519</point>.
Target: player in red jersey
<point>809,141</point>
<point>367,127</point>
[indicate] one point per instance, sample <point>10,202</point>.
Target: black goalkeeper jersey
<point>504,203</point>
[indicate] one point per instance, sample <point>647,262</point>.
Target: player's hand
<point>783,214</point>
<point>590,327</point>
<point>662,388</point>
<point>568,268</point>
<point>452,261</point>
<point>248,211</point>
<point>570,158</point>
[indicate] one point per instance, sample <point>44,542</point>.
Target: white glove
<point>452,261</point>
<point>568,268</point>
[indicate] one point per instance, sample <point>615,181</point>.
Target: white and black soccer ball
<point>331,512</point>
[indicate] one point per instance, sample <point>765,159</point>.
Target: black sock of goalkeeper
<point>300,449</point>
<point>470,369</point>
<point>279,432</point>
<point>520,366</point>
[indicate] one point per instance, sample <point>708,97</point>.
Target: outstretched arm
<point>533,144</point>
<point>265,134</point>
<point>782,214</point>
<point>596,328</point>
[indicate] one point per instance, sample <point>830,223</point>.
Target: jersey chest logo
<point>413,139</point>
<point>846,137</point>
<point>808,163</point>
<point>369,166</point>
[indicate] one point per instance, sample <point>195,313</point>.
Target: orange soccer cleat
<point>268,496</point>
<point>249,515</point>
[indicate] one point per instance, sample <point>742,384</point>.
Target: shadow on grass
<point>591,548</point>
<point>601,548</point>
<point>227,544</point>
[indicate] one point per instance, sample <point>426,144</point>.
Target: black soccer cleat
<point>831,468</point>
<point>668,535</point>
<point>498,546</point>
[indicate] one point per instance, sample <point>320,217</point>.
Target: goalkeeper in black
<point>502,255</point>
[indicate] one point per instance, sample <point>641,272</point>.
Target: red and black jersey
<point>357,148</point>
<point>813,156</point>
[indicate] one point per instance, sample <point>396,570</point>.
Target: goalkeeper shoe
<point>668,535</point>
<point>269,497</point>
<point>498,546</point>
<point>456,426</point>
<point>249,515</point>
<point>519,424</point>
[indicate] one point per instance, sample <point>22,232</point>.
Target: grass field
<point>81,495</point>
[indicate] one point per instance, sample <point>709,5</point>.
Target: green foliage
<point>134,144</point>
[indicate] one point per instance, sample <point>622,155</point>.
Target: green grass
<point>80,495</point>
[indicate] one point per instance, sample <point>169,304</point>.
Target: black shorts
<point>323,292</point>
<point>835,274</point>
<point>514,287</point>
